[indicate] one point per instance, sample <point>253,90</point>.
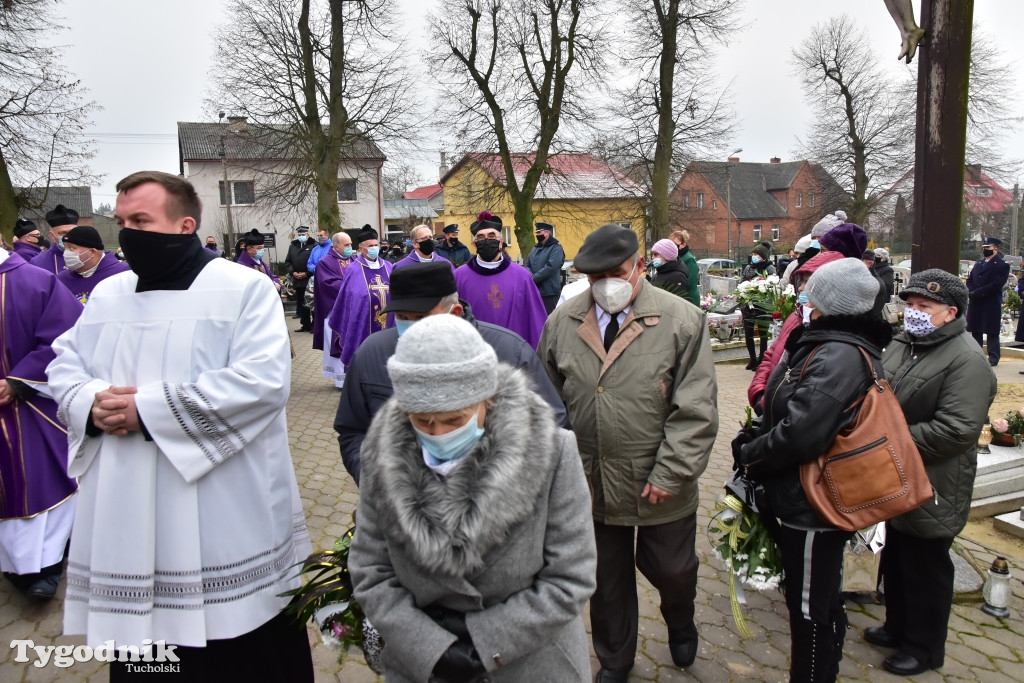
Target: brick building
<point>778,202</point>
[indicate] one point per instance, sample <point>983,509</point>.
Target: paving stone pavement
<point>979,647</point>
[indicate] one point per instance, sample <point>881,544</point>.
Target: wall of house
<point>708,226</point>
<point>274,215</point>
<point>470,190</point>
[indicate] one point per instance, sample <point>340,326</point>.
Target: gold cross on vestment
<point>380,288</point>
<point>495,296</point>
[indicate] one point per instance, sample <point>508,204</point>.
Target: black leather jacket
<point>802,416</point>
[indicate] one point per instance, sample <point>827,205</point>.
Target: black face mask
<point>426,247</point>
<point>43,242</point>
<point>987,252</point>
<point>540,238</point>
<point>488,249</point>
<point>155,256</point>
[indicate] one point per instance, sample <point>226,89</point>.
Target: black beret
<point>606,248</point>
<point>418,287</point>
<point>989,241</point>
<point>84,236</point>
<point>454,227</point>
<point>938,285</point>
<point>61,215</point>
<point>365,234</point>
<point>545,226</point>
<point>254,238</point>
<point>23,227</point>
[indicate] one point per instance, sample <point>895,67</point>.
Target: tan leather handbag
<point>872,471</point>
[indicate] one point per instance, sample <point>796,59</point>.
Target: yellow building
<point>578,194</point>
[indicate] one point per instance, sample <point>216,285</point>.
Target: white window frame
<point>355,185</point>
<point>231,185</point>
<point>810,198</point>
<point>775,232</point>
<point>756,232</point>
<point>700,200</point>
<point>799,199</point>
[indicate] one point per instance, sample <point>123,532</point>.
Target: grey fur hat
<point>440,364</point>
<point>938,285</point>
<point>843,287</point>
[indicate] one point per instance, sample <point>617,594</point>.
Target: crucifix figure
<point>380,289</point>
<point>902,12</point>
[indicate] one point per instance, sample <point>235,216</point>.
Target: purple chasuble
<point>82,287</point>
<point>249,262</point>
<point>52,259</point>
<point>358,310</point>
<point>34,310</point>
<point>414,258</point>
<point>26,251</point>
<point>505,296</point>
<point>326,283</point>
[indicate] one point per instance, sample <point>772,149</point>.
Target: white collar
<point>490,265</point>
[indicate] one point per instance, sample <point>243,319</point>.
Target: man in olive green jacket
<point>945,387</point>
<point>633,366</point>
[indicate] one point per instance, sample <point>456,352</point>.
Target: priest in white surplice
<point>173,386</point>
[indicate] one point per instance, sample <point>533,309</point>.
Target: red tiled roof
<point>998,197</point>
<point>570,176</point>
<point>425,192</point>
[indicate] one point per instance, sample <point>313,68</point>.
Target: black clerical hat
<point>419,287</point>
<point>61,215</point>
<point>606,248</point>
<point>23,227</point>
<point>485,221</point>
<point>84,236</point>
<point>365,233</point>
<point>453,227</point>
<point>254,238</point>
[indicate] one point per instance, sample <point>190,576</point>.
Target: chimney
<point>734,160</point>
<point>775,160</point>
<point>443,168</point>
<point>237,123</point>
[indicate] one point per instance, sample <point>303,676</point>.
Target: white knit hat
<point>830,221</point>
<point>843,287</point>
<point>803,244</point>
<point>441,364</point>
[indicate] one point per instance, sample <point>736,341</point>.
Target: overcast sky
<point>147,63</point>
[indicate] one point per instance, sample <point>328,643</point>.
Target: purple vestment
<point>249,262</point>
<point>26,251</point>
<point>34,310</point>
<point>82,287</point>
<point>358,310</point>
<point>504,296</point>
<point>326,282</point>
<point>52,259</point>
<point>414,258</point>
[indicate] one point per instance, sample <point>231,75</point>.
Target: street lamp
<point>728,203</point>
<point>227,188</point>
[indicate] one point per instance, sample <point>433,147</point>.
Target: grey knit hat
<point>843,287</point>
<point>938,285</point>
<point>440,364</point>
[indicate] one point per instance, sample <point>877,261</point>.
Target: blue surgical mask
<point>347,252</point>
<point>403,325</point>
<point>302,239</point>
<point>322,240</point>
<point>60,242</point>
<point>372,253</point>
<point>755,259</point>
<point>815,244</point>
<point>657,262</point>
<point>260,253</point>
<point>802,299</point>
<point>454,444</point>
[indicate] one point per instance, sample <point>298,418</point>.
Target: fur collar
<point>447,525</point>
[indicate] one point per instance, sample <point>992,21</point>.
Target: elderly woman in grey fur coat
<point>474,551</point>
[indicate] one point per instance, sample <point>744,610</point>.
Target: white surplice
<point>190,536</point>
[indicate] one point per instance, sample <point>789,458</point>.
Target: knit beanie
<point>827,223</point>
<point>803,244</point>
<point>843,287</point>
<point>849,239</point>
<point>666,249</point>
<point>441,364</point>
<point>761,251</point>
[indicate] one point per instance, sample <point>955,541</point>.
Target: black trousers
<point>550,302</point>
<point>305,315</point>
<point>664,553</point>
<point>918,575</point>
<point>276,651</point>
<point>749,325</point>
<point>813,561</point>
<point>993,345</point>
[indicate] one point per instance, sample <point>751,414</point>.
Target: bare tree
<point>399,177</point>
<point>43,111</point>
<point>668,113</point>
<point>517,73</point>
<point>991,107</point>
<point>863,130</point>
<point>317,79</point>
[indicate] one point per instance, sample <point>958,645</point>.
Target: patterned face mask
<point>918,323</point>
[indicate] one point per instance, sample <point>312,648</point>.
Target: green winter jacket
<point>945,385</point>
<point>690,263</point>
<point>643,412</point>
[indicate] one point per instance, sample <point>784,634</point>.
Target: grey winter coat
<point>946,386</point>
<point>545,264</point>
<point>505,538</point>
